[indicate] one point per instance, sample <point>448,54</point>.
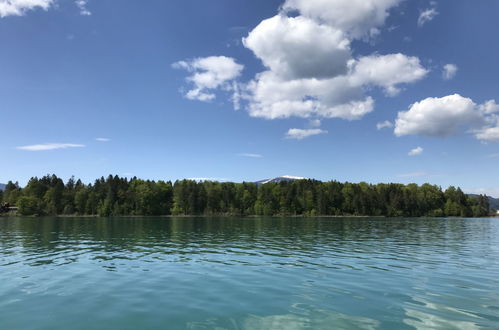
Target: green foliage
<point>12,193</point>
<point>115,196</point>
<point>29,205</point>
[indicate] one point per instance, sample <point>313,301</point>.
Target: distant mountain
<point>284,178</point>
<point>2,186</point>
<point>493,202</point>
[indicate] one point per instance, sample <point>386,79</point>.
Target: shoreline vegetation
<point>96,216</point>
<point>123,197</point>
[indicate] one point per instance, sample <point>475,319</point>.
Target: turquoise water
<point>254,273</point>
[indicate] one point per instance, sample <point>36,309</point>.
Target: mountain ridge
<point>283,178</point>
<point>493,202</point>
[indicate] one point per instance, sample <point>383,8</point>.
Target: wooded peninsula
<point>116,196</point>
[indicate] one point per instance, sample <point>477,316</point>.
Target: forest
<point>116,196</point>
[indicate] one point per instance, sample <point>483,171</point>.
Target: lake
<point>249,273</point>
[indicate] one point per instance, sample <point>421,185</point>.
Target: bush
<point>28,205</point>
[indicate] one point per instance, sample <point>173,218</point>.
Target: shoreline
<point>234,216</point>
<point>198,216</point>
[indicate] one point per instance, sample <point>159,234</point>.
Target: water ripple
<point>258,273</point>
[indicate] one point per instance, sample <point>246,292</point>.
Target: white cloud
<point>298,47</point>
<point>352,110</point>
<point>50,146</point>
<point>426,16</point>
<point>272,97</point>
<point>19,7</point>
<point>82,5</point>
<point>310,68</point>
<point>310,71</point>
<point>209,74</point>
<point>450,115</point>
<point>449,71</point>
<point>300,134</point>
<point>387,71</point>
<point>307,63</point>
<point>416,151</point>
<point>488,134</point>
<point>102,139</point>
<point>413,174</point>
<point>385,124</point>
<point>490,131</point>
<point>251,155</point>
<point>439,117</point>
<point>355,17</point>
<point>281,93</point>
<point>489,107</point>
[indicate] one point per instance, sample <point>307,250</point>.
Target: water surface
<point>249,273</point>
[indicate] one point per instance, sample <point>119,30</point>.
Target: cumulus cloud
<point>310,70</point>
<point>489,107</point>
<point>307,63</point>
<point>427,15</point>
<point>272,97</point>
<point>251,155</point>
<point>416,151</point>
<point>82,5</point>
<point>19,7</point>
<point>384,124</point>
<point>300,134</point>
<point>209,74</point>
<point>356,17</point>
<point>388,71</point>
<point>450,115</point>
<point>449,71</point>
<point>50,146</point>
<point>298,47</point>
<point>438,117</point>
<point>488,134</point>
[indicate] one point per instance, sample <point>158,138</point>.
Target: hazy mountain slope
<point>493,202</point>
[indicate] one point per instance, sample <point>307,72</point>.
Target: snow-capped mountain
<point>284,178</point>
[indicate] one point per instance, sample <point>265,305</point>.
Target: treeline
<point>115,196</point>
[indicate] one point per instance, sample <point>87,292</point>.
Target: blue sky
<point>147,89</point>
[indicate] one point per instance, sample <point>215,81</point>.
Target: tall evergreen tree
<point>115,196</point>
